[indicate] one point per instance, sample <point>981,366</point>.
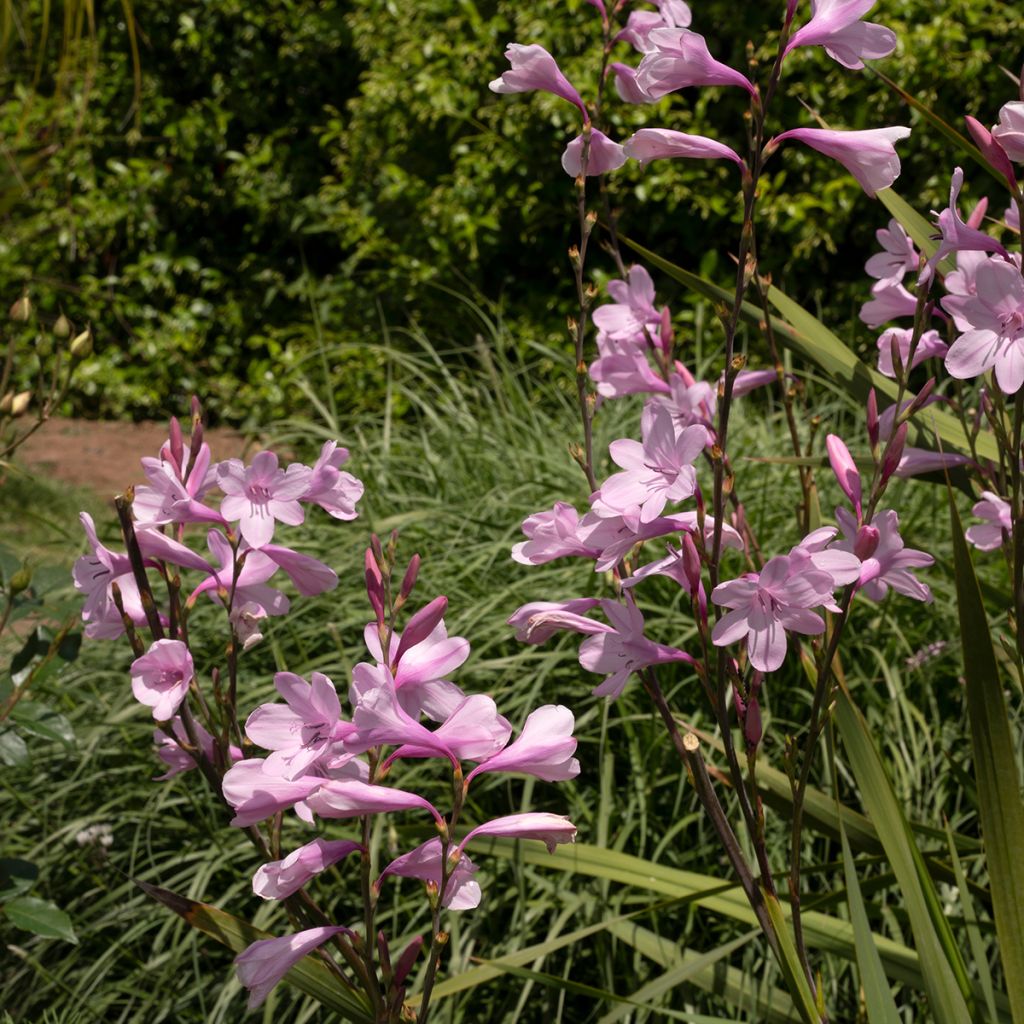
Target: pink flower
<point>1009,133</point>
<point>655,472</point>
<point>624,650</point>
<point>171,750</point>
<point>998,525</point>
<point>301,730</point>
<point>173,497</point>
<point>680,58</point>
<point>263,964</point>
<point>543,748</point>
<point>995,316</point>
<point>255,794</point>
<point>534,68</point>
<point>280,878</point>
<point>897,258</point>
<point>836,25</point>
<point>260,494</point>
<point>845,469</point>
<point>334,490</point>
<point>889,564</point>
<point>622,369</point>
<point>659,143</point>
<point>93,574</point>
<point>928,345</point>
<point>424,863</point>
<point>602,154</point>
<point>813,552</point>
<point>869,155</point>
<point>550,829</point>
<point>626,85</point>
<point>956,234</point>
<point>353,798</point>
<point>538,621</point>
<point>160,678</point>
<point>550,535</point>
<point>632,313</point>
<point>888,302</point>
<point>765,605</point>
<point>640,24</point>
<point>689,402</point>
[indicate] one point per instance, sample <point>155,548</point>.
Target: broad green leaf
<point>40,917</point>
<point>39,720</point>
<point>675,976</point>
<point>12,747</point>
<point>945,975</point>
<point>309,975</point>
<point>978,950</point>
<point>789,961</point>
<point>995,770</point>
<point>806,335</point>
<point>881,1006</point>
<point>16,876</point>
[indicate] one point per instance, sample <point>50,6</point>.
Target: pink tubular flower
<point>1009,133</point>
<point>462,891</point>
<point>897,258</point>
<point>626,85</point>
<point>889,564</point>
<point>928,345</point>
<point>956,235</point>
<point>550,829</point>
<point>660,143</point>
<point>93,574</point>
<point>887,302</point>
<point>845,469</point>
<point>624,650</point>
<point>334,490</point>
<point>764,606</point>
<point>998,525</point>
<point>602,154</point>
<point>813,552</point>
<point>836,25</point>
<point>543,748</point>
<point>550,535</point>
<point>622,369</point>
<point>281,878</point>
<point>263,964</point>
<point>633,310</point>
<point>655,472</point>
<point>538,621</point>
<point>995,316</point>
<point>869,155</point>
<point>534,68</point>
<point>173,497</point>
<point>160,678</point>
<point>303,728</point>
<point>680,58</point>
<point>255,794</point>
<point>353,798</point>
<point>259,494</point>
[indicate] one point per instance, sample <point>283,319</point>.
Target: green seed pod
<point>81,344</point>
<point>21,310</point>
<point>5,403</point>
<point>20,403</point>
<point>62,327</point>
<point>20,581</point>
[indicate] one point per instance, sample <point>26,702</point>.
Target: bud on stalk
<point>894,453</point>
<point>21,309</point>
<point>62,327</point>
<point>81,344</point>
<point>19,404</point>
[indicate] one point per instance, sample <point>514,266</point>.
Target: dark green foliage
<point>299,172</point>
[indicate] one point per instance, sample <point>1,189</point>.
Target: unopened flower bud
<point>19,581</point>
<point>896,356</point>
<point>691,563</point>
<point>866,543</point>
<point>873,418</point>
<point>81,344</point>
<point>21,309</point>
<point>920,401</point>
<point>405,962</point>
<point>5,403</point>
<point>894,452</point>
<point>409,580</point>
<point>62,327</point>
<point>845,470</point>
<point>19,404</point>
<point>752,728</point>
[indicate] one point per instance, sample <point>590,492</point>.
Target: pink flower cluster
<point>674,57</point>
<point>327,767</point>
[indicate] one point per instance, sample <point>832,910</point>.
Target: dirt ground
<point>104,456</point>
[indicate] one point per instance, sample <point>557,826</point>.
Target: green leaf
<point>945,975</point>
<point>806,335</point>
<point>995,770</point>
<point>40,917</point>
<point>309,975</point>
<point>881,1006</point>
<point>39,720</point>
<point>13,751</point>
<point>789,961</point>
<point>16,876</point>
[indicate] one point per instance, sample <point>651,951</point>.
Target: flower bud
<point>994,154</point>
<point>752,727</point>
<point>405,962</point>
<point>920,401</point>
<point>894,452</point>
<point>62,327</point>
<point>409,580</point>
<point>19,404</point>
<point>691,563</point>
<point>81,344</point>
<point>5,403</point>
<point>866,542</point>
<point>845,469</point>
<point>19,581</point>
<point>873,418</point>
<point>21,309</point>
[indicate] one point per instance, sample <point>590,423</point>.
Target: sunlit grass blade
<point>308,976</point>
<point>978,951</point>
<point>995,770</point>
<point>789,961</point>
<point>881,1006</point>
<point>945,976</point>
<point>675,976</point>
